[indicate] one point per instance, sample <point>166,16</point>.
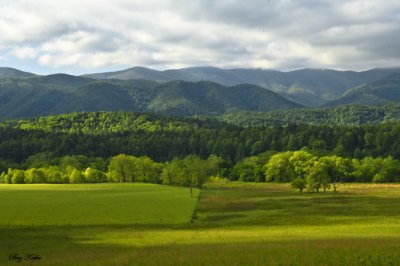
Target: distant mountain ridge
<point>193,91</point>
<point>61,93</point>
<point>310,87</point>
<point>379,92</point>
<point>189,98</point>
<point>8,72</point>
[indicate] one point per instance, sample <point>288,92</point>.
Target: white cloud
<point>281,34</point>
<point>25,52</point>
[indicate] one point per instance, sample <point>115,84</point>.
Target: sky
<point>85,36</point>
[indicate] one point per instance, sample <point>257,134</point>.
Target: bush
<point>18,177</point>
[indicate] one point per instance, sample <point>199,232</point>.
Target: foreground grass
<point>237,224</point>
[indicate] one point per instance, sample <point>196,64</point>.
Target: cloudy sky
<point>81,36</point>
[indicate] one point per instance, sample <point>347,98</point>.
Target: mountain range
<point>61,93</point>
<point>309,87</point>
<point>192,91</point>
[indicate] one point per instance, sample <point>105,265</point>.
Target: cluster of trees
<point>53,175</point>
<point>190,171</point>
<point>287,166</point>
<point>305,170</point>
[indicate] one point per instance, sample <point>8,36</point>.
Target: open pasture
<point>94,204</point>
<point>235,224</point>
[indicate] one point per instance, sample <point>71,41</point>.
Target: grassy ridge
<point>237,224</point>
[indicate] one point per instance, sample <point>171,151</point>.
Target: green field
<point>95,204</point>
<point>235,224</point>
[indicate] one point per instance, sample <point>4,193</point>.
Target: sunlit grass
<point>95,204</point>
<point>236,224</point>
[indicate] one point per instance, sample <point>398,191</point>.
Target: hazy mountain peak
<point>8,72</point>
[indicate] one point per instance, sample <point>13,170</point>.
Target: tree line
<point>303,169</point>
<point>189,171</point>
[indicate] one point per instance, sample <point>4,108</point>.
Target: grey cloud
<point>281,34</point>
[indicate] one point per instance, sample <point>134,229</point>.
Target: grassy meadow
<point>234,224</point>
<point>94,204</point>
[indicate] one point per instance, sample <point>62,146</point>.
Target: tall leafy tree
<point>76,177</point>
<point>301,162</point>
<point>318,176</point>
<point>279,168</point>
<point>173,172</point>
<point>122,168</point>
<point>338,169</point>
<point>92,175</point>
<point>34,175</point>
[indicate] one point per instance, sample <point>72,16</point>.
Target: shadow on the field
<point>59,246</point>
<point>219,208</point>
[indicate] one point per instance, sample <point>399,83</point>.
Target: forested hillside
<point>8,72</point>
<point>187,99</point>
<point>60,93</point>
<point>193,92</point>
<point>309,87</point>
<point>379,92</point>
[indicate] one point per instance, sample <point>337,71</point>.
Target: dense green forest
<point>105,134</point>
<point>348,115</point>
<point>91,142</point>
